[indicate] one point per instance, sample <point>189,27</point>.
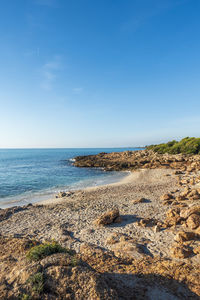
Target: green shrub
<point>186,146</point>
<point>40,251</point>
<point>24,297</point>
<point>37,282</point>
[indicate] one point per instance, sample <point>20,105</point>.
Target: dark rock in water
<point>64,194</point>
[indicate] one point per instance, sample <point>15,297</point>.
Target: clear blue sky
<point>98,73</point>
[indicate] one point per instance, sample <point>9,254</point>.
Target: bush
<point>46,249</point>
<point>37,282</point>
<point>24,297</point>
<point>186,146</point>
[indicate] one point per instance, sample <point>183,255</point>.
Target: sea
<point>32,175</point>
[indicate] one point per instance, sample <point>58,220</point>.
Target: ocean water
<point>30,175</point>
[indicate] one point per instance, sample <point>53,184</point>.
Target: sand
<point>70,220</point>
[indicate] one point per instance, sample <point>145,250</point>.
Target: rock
<point>181,251</point>
<point>166,197</point>
<point>109,217</point>
<point>118,220</point>
<point>173,217</point>
<point>189,211</point>
<point>7,212</point>
<point>138,159</point>
<point>61,194</point>
<point>168,202</point>
<point>113,238</point>
<point>125,246</point>
<point>196,250</point>
<point>96,274</point>
<point>178,172</point>
<point>197,231</point>
<point>193,221</point>
<point>183,236</point>
<point>180,198</point>
<point>64,194</point>
<point>148,222</point>
<point>140,200</point>
<point>60,273</point>
<point>157,228</point>
<point>193,195</point>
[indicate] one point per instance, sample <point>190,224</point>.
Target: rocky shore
<point>133,160</point>
<point>137,239</point>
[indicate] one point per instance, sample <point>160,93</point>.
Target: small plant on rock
<point>40,251</point>
<point>24,297</point>
<point>37,282</point>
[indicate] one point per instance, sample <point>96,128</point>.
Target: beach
<point>78,212</point>
<point>147,227</point>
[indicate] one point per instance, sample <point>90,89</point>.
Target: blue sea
<point>31,175</point>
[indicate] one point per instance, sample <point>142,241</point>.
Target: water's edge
<point>33,175</point>
<point>42,196</point>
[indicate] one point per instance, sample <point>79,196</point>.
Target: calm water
<point>33,174</point>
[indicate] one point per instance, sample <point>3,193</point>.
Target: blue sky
<point>98,73</point>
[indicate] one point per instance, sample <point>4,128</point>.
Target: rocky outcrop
<point>132,160</point>
<point>93,274</point>
<point>57,276</point>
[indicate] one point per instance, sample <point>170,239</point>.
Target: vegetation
<point>37,282</point>
<point>40,251</point>
<point>24,297</point>
<point>186,146</point>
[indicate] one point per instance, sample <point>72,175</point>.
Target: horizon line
<point>40,148</point>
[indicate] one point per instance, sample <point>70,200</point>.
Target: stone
<point>113,239</point>
<point>146,222</point>
<point>157,228</point>
<point>181,251</point>
<point>140,200</point>
<point>193,221</point>
<point>197,231</point>
<point>109,217</point>
<point>183,236</point>
<point>167,202</point>
<point>173,217</point>
<point>7,212</point>
<point>196,250</point>
<point>180,198</point>
<point>61,194</point>
<point>189,211</point>
<point>166,197</point>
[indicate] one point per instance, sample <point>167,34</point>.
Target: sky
<point>98,73</point>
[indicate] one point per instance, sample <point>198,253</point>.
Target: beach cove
<point>151,208</point>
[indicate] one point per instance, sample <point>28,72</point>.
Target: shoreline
<point>50,196</point>
<point>150,236</point>
<point>81,207</point>
<point>55,200</point>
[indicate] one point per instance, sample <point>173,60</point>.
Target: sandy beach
<point>77,213</point>
<point>128,237</point>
